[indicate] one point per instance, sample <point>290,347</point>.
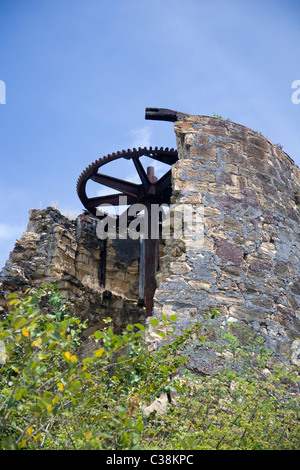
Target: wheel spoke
<point>142,174</point>
<point>164,157</point>
<point>110,199</point>
<point>163,182</point>
<point>131,189</point>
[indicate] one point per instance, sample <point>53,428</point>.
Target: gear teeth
<point>93,167</point>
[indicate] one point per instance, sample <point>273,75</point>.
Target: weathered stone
<point>230,224</point>
<point>208,176</point>
<point>67,253</point>
<point>228,202</point>
<point>179,267</point>
<point>257,265</point>
<point>200,285</point>
<point>202,140</point>
<point>216,188</point>
<point>229,253</point>
<point>296,352</point>
<point>211,212</point>
<point>191,173</point>
<point>202,152</point>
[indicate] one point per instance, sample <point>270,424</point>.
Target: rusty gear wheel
<point>151,190</point>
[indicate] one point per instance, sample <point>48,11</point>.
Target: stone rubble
<point>67,253</point>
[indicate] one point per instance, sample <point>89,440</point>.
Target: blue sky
<point>80,73</point>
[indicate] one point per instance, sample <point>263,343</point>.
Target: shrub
<point>52,398</point>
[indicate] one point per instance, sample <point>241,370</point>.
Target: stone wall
<point>69,254</point>
<point>122,267</point>
<point>248,265</point>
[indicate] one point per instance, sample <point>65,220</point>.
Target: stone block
<point>209,154</point>
<point>199,285</point>
<point>191,173</point>
<point>185,185</point>
<point>179,267</point>
<point>216,188</point>
<point>228,252</point>
<point>208,176</point>
<point>210,211</point>
<point>230,224</point>
<point>202,141</point>
<point>268,248</point>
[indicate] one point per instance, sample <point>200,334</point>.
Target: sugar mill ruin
<point>246,264</point>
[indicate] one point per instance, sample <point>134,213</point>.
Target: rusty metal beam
<point>131,189</point>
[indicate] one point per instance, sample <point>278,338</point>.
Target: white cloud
<point>160,168</point>
<point>141,137</point>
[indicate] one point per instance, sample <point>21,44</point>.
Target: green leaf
<point>139,425</point>
<point>99,352</point>
<point>12,296</point>
<point>74,385</point>
<point>154,322</point>
<point>11,402</point>
<point>40,370</point>
<point>14,302</point>
<point>20,393</point>
<point>110,332</point>
<point>161,333</point>
<point>19,323</point>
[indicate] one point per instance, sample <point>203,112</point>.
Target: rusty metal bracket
<point>163,114</point>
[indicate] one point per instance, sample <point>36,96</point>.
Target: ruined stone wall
<point>248,265</point>
<point>122,267</point>
<point>68,253</point>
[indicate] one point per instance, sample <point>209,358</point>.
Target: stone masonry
<point>68,254</point>
<point>248,265</point>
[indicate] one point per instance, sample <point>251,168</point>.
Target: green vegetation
<point>221,117</point>
<point>53,398</point>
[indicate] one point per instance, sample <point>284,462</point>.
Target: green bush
<point>52,398</point>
